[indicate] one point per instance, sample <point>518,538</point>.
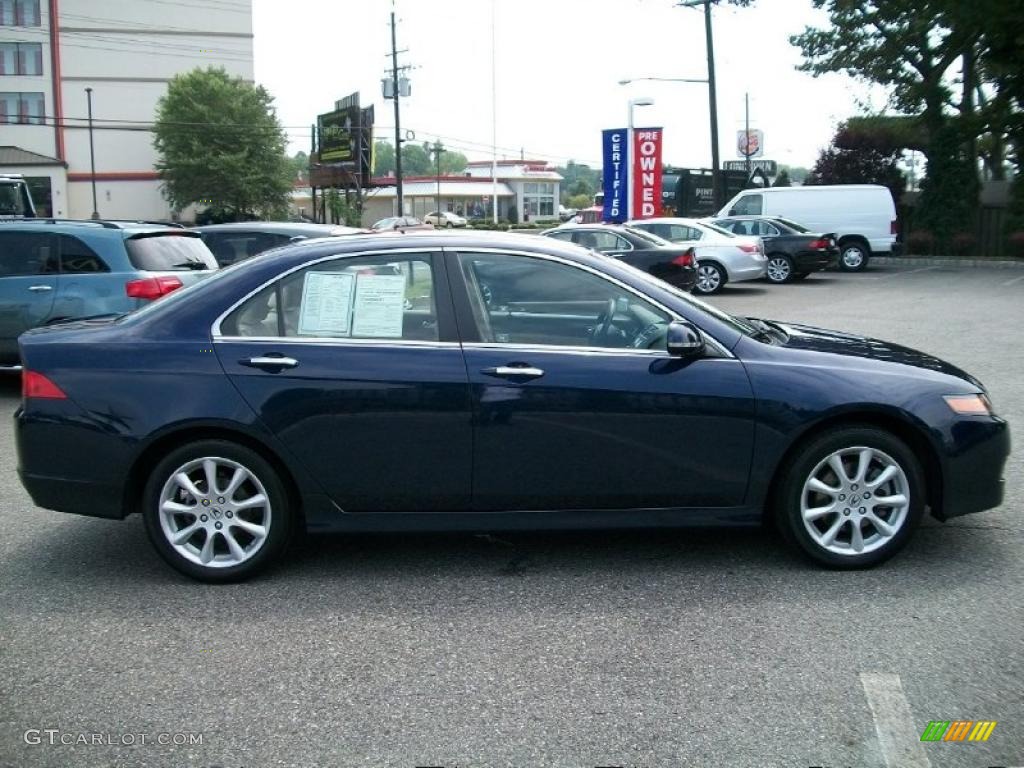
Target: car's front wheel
<point>216,511</point>
<point>851,497</point>
<point>710,278</point>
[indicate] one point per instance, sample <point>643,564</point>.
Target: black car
<point>667,261</point>
<point>432,381</point>
<point>793,252</point>
<point>242,240</point>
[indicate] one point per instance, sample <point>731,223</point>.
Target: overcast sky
<point>558,63</point>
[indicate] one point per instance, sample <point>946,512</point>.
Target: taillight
<point>685,259</point>
<point>35,385</point>
<point>818,245</point>
<point>749,248</point>
<point>152,287</point>
<point>892,227</point>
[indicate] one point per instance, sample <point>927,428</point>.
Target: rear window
<point>648,237</point>
<point>169,252</point>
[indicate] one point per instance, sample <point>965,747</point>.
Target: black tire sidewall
<point>281,521</point>
<point>787,501</point>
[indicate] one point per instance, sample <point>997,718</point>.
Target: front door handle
<point>514,372</point>
<point>270,362</point>
<point>40,288</point>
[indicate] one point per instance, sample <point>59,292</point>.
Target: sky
<point>557,67</point>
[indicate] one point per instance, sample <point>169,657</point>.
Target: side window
<point>527,300</point>
<point>27,253</point>
<point>365,297</point>
<point>221,246</point>
<point>77,257</point>
<point>768,229</point>
<point>748,205</point>
<point>565,236</point>
<point>601,241</point>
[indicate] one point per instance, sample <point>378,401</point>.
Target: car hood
<point>865,347</point>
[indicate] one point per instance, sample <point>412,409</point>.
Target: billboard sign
<point>615,176</point>
<point>771,167</point>
<point>345,138</point>
<point>337,135</point>
<point>645,157</point>
<point>750,143</point>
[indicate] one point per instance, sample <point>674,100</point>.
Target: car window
<point>27,253</point>
<point>171,252</point>
<point>366,297</point>
<point>77,257</point>
<point>648,237</point>
<point>565,235</point>
<point>793,225</point>
<point>529,300</point>
<point>767,229</point>
<point>748,205</point>
<point>600,241</point>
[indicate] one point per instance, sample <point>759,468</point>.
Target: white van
<point>863,216</point>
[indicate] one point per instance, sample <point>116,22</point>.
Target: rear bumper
<point>752,270</point>
<point>973,473</point>
<point>814,261</point>
<point>75,496</point>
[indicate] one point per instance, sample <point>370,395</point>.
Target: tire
<point>223,519</point>
<point>710,278</point>
<point>780,268</point>
<point>449,225</point>
<point>853,256</point>
<point>884,529</point>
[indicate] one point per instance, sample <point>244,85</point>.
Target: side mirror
<point>684,340</point>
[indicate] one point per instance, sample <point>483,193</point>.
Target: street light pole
<point>716,182</point>
<point>92,156</point>
<point>398,126</point>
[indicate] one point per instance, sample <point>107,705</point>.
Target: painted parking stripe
<point>1014,280</point>
<point>894,723</point>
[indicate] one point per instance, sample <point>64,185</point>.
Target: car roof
<point>94,227</point>
<point>278,228</point>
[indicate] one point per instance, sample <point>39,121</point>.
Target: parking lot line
<point>894,722</point>
<point>1014,280</point>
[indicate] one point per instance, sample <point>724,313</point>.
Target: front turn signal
<point>969,405</point>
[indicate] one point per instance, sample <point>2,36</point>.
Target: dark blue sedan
<point>486,382</point>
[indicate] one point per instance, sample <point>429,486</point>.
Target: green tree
<point>416,161</point>
<point>452,162</point>
<point>782,180</point>
<point>300,166</point>
<point>219,143</point>
<point>842,163</point>
<point>383,159</point>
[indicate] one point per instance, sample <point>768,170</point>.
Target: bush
<point>920,243</point>
<point>1015,245</point>
<point>963,244</point>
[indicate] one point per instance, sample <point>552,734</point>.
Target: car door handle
<point>514,372</point>
<point>40,288</point>
<point>270,361</point>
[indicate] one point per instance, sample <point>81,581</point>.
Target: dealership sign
<point>631,170</point>
<point>645,157</point>
<point>750,143</point>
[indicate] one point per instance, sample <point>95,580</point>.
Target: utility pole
<point>716,173</point>
<point>494,121</point>
<point>92,156</point>
<point>746,128</point>
<point>438,150</point>
<point>398,122</point>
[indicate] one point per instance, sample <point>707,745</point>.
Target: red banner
<point>646,161</point>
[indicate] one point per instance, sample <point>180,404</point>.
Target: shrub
<point>1015,245</point>
<point>921,243</point>
<point>963,244</point>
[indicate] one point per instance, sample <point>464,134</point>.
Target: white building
<point>126,51</point>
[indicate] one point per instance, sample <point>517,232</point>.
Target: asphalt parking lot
<point>571,649</point>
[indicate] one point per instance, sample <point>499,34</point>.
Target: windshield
<point>169,252</point>
<point>717,229</point>
<point>646,236</point>
<point>792,225</point>
<point>12,199</point>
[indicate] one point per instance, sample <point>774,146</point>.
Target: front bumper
<point>972,478</point>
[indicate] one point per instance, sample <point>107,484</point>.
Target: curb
<point>929,261</point>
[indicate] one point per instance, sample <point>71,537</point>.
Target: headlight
<point>969,405</point>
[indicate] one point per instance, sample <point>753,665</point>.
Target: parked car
<point>616,401</point>
<point>793,253</point>
<point>639,249</point>
<point>242,240</point>
<point>862,216</point>
<point>400,224</point>
<point>445,219</point>
<point>565,214</point>
<point>722,257</point>
<point>53,270</point>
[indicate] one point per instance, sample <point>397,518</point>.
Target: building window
<point>539,199</point>
<point>19,13</point>
<point>23,108</point>
<point>21,59</point>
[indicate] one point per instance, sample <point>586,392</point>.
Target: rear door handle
<point>40,288</point>
<point>514,372</point>
<point>270,361</point>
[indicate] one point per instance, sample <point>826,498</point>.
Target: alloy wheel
<point>215,512</point>
<point>709,279</point>
<point>779,269</point>
<point>855,501</point>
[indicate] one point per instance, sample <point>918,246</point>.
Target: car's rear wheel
<point>710,278</point>
<point>216,511</point>
<point>851,497</point>
<point>780,268</point>
<point>853,255</point>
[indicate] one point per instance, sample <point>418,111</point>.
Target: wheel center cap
<point>215,513</point>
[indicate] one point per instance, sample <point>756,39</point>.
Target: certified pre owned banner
<point>645,156</point>
<point>616,186</point>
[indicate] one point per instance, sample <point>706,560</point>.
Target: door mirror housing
<point>684,340</point>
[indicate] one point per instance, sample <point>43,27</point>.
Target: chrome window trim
<point>336,341</point>
<point>215,333</point>
<point>720,348</point>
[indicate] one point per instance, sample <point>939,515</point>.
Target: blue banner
<point>616,173</point>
